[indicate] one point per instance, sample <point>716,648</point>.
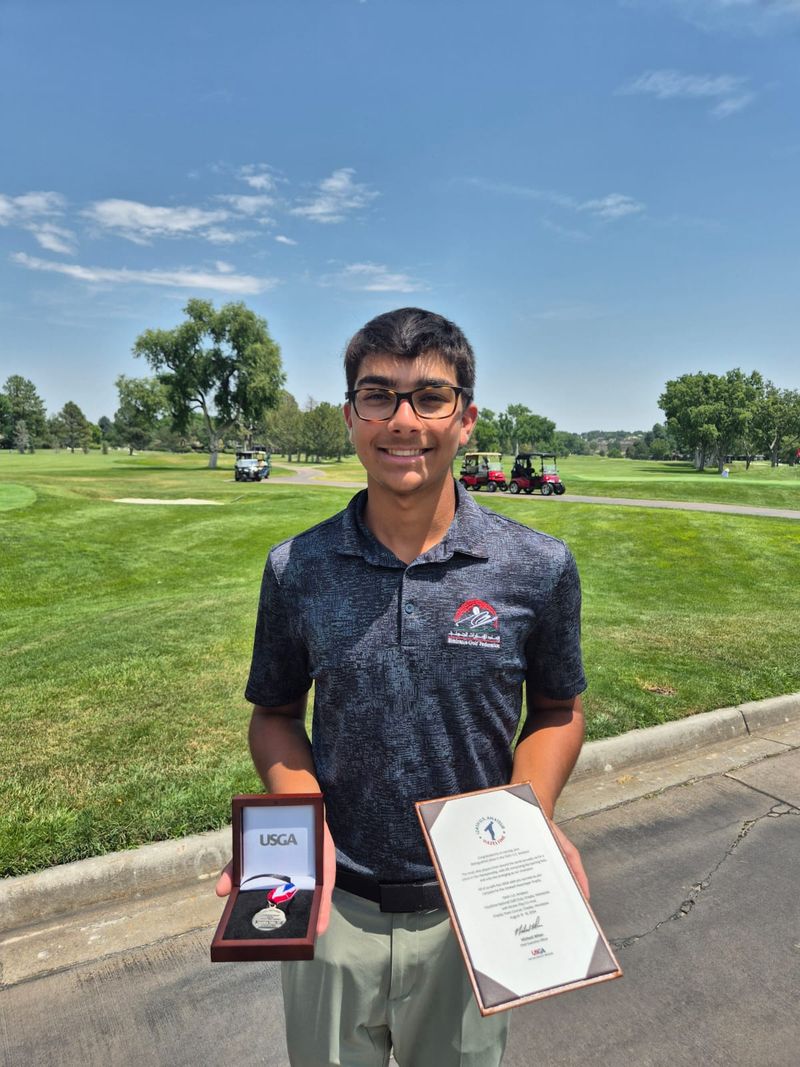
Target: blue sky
<point>604,195</point>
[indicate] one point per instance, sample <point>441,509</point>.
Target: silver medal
<point>269,918</point>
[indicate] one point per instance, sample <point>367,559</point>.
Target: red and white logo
<point>475,623</point>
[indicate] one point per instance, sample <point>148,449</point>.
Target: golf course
<point>127,627</point>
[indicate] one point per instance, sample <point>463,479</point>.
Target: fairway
<point>761,486</point>
<point>127,628</point>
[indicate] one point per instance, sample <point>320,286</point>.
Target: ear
<point>347,411</point>
<point>469,417</point>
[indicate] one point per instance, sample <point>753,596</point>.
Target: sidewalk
<point>689,833</point>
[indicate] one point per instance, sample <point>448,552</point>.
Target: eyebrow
<point>391,383</point>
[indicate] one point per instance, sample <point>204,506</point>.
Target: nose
<point>405,417</point>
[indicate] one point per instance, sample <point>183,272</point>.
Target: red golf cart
<point>483,469</point>
<point>536,470</point>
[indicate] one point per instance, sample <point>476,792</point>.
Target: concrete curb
<point>678,738</point>
<point>141,872</point>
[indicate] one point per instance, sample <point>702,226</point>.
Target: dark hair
<point>409,333</point>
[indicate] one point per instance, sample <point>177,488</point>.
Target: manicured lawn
<point>348,469</point>
<point>761,486</point>
<point>127,633</point>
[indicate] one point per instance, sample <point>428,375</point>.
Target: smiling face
<point>407,454</point>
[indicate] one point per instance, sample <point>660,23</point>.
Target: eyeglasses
<point>375,404</point>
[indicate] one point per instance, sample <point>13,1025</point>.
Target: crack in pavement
<point>776,811</point>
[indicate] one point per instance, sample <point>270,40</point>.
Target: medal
<point>271,917</point>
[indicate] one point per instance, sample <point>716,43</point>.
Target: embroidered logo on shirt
<point>475,623</point>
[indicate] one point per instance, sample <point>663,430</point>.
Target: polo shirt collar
<point>466,535</point>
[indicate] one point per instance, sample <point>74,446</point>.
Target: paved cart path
<point>695,886</point>
<point>620,501</point>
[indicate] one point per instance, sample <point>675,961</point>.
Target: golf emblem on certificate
<point>525,929</point>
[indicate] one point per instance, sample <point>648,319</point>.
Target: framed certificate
<point>525,929</point>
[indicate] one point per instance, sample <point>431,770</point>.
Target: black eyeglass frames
<point>375,403</point>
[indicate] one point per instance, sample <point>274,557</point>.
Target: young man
<point>418,615</point>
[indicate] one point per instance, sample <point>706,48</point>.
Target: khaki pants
<point>382,982</point>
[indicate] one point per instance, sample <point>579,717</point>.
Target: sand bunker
<point>156,500</point>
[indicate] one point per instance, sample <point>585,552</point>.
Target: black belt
<point>392,896</point>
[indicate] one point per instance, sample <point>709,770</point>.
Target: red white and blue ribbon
<point>282,894</point>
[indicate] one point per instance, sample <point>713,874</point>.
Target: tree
<point>505,433</point>
<point>710,411</point>
<point>24,404</point>
<point>534,433</point>
<point>638,450</point>
<point>324,430</point>
<point>6,422</point>
<point>223,364</point>
<point>687,404</point>
<point>21,436</point>
<point>733,408</point>
<point>519,429</point>
<point>283,426</point>
<point>777,420</point>
<point>72,428</point>
<point>141,402</point>
<point>485,436</point>
<point>567,444</point>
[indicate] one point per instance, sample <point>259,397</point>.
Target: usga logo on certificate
<point>490,830</point>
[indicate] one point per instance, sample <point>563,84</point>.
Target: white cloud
<point>30,206</point>
<point>732,105</point>
<point>140,223</point>
<point>373,278</point>
<point>218,236</point>
<point>609,208</point>
<point>613,206</point>
<point>259,176</point>
<point>336,197</point>
<point>224,281</point>
<point>729,91</point>
<point>248,204</point>
<point>281,239</point>
<point>53,238</point>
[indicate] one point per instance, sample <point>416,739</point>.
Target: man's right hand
<point>225,881</point>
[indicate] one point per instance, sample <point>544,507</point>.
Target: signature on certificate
<point>527,927</point>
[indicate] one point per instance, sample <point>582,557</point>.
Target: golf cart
<point>483,468</point>
<point>252,465</point>
<point>527,475</point>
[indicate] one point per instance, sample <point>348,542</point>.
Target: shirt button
<point>409,609</point>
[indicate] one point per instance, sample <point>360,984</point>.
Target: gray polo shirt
<point>418,668</point>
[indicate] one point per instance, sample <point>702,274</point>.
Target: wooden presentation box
<point>276,838</point>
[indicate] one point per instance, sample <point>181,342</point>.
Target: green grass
<point>127,634</point>
<point>348,469</point>
<point>761,486</point>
